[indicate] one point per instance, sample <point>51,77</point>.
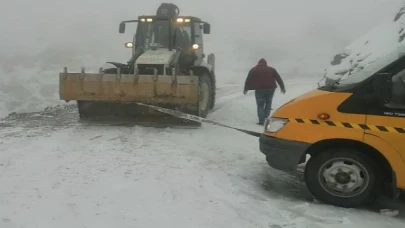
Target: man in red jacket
<point>262,79</point>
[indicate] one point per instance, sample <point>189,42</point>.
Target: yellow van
<point>354,132</point>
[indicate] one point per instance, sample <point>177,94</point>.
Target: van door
<point>388,121</point>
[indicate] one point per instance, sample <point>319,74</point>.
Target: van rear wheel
<point>343,177</point>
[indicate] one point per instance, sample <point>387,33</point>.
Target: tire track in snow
<point>226,94</point>
<point>87,167</point>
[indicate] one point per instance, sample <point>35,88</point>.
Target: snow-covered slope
<point>56,172</point>
<point>370,52</point>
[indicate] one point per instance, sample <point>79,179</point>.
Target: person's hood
<point>262,62</point>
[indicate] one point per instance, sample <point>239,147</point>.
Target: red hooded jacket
<point>263,77</point>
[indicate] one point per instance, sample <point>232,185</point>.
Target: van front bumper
<point>282,154</point>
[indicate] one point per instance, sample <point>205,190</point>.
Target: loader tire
<point>205,96</point>
<point>213,91</point>
<point>82,107</point>
<point>89,110</point>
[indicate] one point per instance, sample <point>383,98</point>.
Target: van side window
<point>398,91</point>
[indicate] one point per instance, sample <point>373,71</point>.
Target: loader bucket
<point>102,95</point>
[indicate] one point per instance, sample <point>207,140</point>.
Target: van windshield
<point>370,69</point>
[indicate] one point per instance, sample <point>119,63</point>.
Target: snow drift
<point>370,52</point>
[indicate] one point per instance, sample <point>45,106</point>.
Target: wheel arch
<point>362,147</point>
<point>200,70</point>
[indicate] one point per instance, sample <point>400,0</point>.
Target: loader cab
<point>184,32</point>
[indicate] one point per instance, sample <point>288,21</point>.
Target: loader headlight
<point>129,45</point>
<point>146,19</point>
<point>195,46</point>
<point>181,20</point>
<point>274,124</point>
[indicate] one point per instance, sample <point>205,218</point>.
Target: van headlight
<point>273,125</point>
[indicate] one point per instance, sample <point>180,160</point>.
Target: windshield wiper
<point>332,85</point>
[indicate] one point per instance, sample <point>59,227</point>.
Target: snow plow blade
<point>102,96</point>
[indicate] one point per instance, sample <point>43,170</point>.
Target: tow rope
<point>186,116</point>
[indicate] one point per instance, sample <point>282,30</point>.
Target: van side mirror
<point>122,28</point>
<point>206,28</point>
<point>382,87</point>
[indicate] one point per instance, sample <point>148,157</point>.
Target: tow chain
<point>198,119</point>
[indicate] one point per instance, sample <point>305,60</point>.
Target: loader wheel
<point>82,107</point>
<point>343,177</point>
<point>213,91</point>
<point>205,95</point>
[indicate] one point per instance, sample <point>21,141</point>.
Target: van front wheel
<point>343,177</point>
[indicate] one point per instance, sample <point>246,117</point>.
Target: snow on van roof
<point>374,50</point>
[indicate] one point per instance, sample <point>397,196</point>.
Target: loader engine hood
<point>159,56</point>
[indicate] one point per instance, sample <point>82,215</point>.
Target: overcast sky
<point>275,29</point>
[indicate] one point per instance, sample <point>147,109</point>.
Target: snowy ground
<point>56,172</point>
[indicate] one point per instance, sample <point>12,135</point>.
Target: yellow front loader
<point>167,69</point>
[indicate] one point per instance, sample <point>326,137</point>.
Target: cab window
<point>182,34</point>
<point>198,33</point>
<point>398,91</point>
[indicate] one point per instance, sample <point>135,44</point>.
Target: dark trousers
<point>264,98</point>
